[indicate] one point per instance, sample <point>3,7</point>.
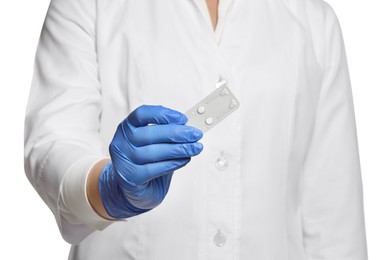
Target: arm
<point>332,203</point>
<point>63,153</point>
<point>93,192</point>
<point>62,118</point>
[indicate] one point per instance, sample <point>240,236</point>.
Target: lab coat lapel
<point>223,7</point>
<point>202,8</point>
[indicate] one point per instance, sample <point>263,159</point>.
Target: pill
<point>201,110</point>
<point>209,121</point>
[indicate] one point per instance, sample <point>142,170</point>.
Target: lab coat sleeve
<point>62,118</point>
<point>332,200</point>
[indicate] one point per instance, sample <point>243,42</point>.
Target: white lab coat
<point>279,179</point>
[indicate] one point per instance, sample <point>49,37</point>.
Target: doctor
<point>279,179</point>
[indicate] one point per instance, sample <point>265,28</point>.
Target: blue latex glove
<point>148,146</point>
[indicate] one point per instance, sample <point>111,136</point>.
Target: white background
<point>28,229</point>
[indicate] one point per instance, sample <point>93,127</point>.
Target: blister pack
<point>213,109</point>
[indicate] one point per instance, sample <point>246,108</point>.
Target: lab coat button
<point>221,163</point>
<point>219,239</point>
<point>221,82</point>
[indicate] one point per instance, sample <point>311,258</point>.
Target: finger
<point>135,179</point>
<point>161,152</point>
<point>154,134</point>
<point>158,169</point>
<point>145,115</point>
<point>152,194</point>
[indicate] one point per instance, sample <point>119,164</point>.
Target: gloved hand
<point>148,146</point>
